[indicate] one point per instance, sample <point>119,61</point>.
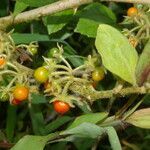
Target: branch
<point>129,1</point>
<point>41,11</point>
<point>90,93</point>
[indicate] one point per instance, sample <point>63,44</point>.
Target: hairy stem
<point>89,92</point>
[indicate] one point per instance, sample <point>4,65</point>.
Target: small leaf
<point>91,118</point>
<point>118,56</point>
<point>143,67</point>
<point>85,130</point>
<point>19,7</point>
<point>113,138</point>
<point>140,118</point>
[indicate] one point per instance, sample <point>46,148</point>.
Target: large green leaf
<point>140,118</point>
<point>85,130</point>
<point>30,142</point>
<point>113,138</point>
<point>118,56</point>
<point>143,67</point>
<point>92,16</point>
<point>91,118</point>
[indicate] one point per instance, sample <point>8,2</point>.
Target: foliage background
<point>77,34</point>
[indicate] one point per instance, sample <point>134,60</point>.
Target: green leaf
<point>92,16</point>
<point>57,21</point>
<point>11,121</point>
<point>37,120</point>
<point>140,118</point>
<point>91,118</point>
<point>2,136</point>
<point>85,130</point>
<point>113,138</point>
<point>35,3</point>
<point>37,99</point>
<point>118,56</point>
<point>75,60</point>
<point>27,38</point>
<point>19,7</point>
<point>30,142</point>
<point>57,123</point>
<point>99,13</point>
<point>4,8</point>
<point>143,67</point>
<point>89,30</point>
